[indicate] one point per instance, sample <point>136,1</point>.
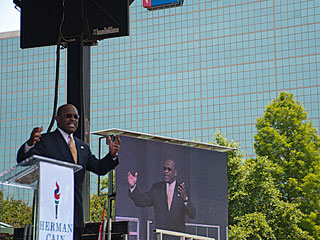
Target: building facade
<point>183,72</point>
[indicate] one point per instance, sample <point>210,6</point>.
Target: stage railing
<point>131,220</point>
<point>182,236</point>
<point>196,226</point>
<point>134,229</point>
<point>205,226</point>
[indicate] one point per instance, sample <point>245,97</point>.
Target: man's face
<point>68,119</point>
<point>169,171</point>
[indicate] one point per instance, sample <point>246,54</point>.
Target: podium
<point>53,205</point>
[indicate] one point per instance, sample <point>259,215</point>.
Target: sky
<point>9,16</point>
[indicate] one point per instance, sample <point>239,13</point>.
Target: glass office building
<point>183,72</point>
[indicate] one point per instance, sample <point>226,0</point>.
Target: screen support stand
<point>78,94</point>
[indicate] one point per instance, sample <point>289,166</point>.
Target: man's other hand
<point>132,179</point>
<point>182,191</point>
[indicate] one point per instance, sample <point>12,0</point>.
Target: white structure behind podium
<point>53,183</point>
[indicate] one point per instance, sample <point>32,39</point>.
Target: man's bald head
<point>170,170</point>
<point>67,118</point>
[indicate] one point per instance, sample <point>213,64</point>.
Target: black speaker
<point>42,21</point>
<point>119,229</point>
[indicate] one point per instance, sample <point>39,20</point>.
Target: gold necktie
<point>169,196</point>
<point>73,149</point>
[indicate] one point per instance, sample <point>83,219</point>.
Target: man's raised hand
<point>114,146</point>
<point>35,136</point>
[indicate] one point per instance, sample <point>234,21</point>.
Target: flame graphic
<point>57,197</point>
<point>57,193</point>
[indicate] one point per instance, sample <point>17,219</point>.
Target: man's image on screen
<point>169,199</point>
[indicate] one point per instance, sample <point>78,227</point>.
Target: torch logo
<point>57,197</point>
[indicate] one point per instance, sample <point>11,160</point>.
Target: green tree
<point>310,204</point>
<point>96,207</point>
<point>251,226</point>
<point>15,212</point>
<point>97,202</point>
<point>235,176</point>
<point>289,140</point>
<point>256,210</point>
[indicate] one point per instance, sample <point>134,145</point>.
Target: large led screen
<point>197,201</point>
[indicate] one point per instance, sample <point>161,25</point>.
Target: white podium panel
<point>53,183</point>
<point>56,202</point>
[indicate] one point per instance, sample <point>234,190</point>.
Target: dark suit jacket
<point>157,197</point>
<point>54,146</point>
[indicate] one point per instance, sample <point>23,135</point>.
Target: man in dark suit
<point>169,199</point>
<point>63,145</point>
